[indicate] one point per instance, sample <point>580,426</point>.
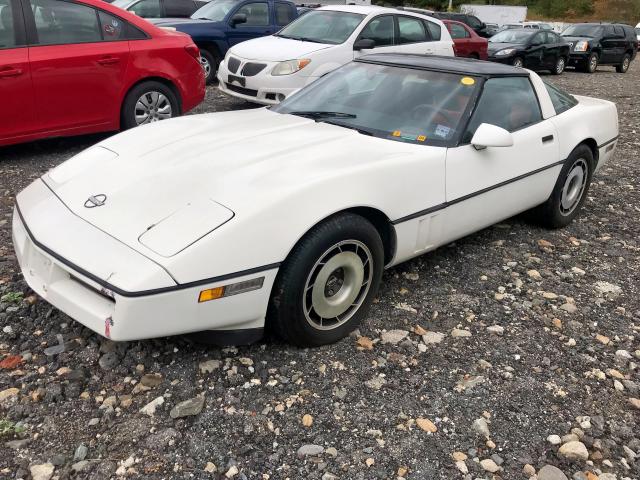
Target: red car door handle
<point>108,61</point>
<point>10,72</point>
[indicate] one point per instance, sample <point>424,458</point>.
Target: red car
<point>466,42</point>
<point>84,66</point>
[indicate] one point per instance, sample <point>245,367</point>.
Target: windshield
<point>215,11</point>
<point>395,103</point>
<point>582,31</point>
<point>511,36</point>
<point>322,26</point>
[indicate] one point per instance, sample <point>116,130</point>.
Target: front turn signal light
<point>231,289</point>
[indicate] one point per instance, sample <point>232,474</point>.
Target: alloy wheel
<point>517,62</point>
<point>206,65</point>
<point>625,64</point>
<point>574,186</point>
<point>593,63</point>
<point>338,284</point>
<point>151,107</point>
<point>560,66</point>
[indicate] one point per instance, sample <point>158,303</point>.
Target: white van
<point>268,69</point>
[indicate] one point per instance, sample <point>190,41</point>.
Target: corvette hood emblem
<point>95,201</point>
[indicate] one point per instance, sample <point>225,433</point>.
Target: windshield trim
<point>454,142</point>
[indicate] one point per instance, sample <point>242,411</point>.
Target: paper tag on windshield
<point>442,131</point>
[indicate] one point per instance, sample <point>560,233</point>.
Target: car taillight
<point>193,50</point>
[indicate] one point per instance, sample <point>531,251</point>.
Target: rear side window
<point>115,29</point>
<point>7,29</point>
<point>411,30</point>
<point>60,23</point>
<point>381,30</point>
<point>178,8</point>
<point>508,102</point>
<point>433,29</point>
<point>561,100</point>
<point>474,22</point>
<point>284,14</point>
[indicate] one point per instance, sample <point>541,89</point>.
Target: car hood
<point>276,49</point>
<point>575,40</point>
<point>496,46</point>
<point>196,172</point>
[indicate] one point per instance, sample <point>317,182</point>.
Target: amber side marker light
<point>231,289</point>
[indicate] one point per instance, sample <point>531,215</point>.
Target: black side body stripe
<point>444,205</point>
<point>141,293</point>
<point>608,142</point>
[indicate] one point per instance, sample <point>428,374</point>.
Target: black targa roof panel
<point>465,66</point>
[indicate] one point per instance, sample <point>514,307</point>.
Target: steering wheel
<point>429,111</point>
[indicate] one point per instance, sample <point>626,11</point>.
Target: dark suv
<point>471,20</point>
<point>594,44</point>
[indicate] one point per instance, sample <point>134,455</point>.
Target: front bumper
<point>501,59</point>
<point>76,284</point>
<point>263,88</point>
<point>578,58</point>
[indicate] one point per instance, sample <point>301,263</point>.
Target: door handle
<point>10,72</point>
<point>108,61</point>
<point>548,138</point>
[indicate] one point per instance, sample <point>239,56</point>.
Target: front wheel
<point>570,190</point>
<point>518,62</point>
<point>591,64</point>
<point>149,102</point>
<point>624,65</point>
<point>327,283</point>
<point>559,68</point>
<point>210,63</point>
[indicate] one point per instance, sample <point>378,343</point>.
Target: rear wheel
<point>210,62</point>
<point>559,68</point>
<point>149,102</point>
<point>624,65</point>
<point>570,190</point>
<point>327,283</point>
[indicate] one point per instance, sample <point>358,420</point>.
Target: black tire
<point>553,213</point>
<point>624,65</point>
<point>128,113</point>
<point>212,59</point>
<point>518,62</point>
<point>295,284</point>
<point>591,64</point>
<point>561,63</point>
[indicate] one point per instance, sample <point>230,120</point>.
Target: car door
<point>460,38</point>
<point>412,37</point>
<point>16,90</point>
<point>258,22</point>
<point>534,54</point>
<point>382,30</point>
<point>488,185</point>
<point>608,44</point>
<point>551,49</point>
<point>620,43</point>
<point>78,59</point>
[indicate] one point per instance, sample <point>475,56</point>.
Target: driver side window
<point>539,39</point>
<point>257,14</point>
<point>381,30</point>
<point>508,102</point>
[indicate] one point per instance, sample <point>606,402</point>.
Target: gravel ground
<point>508,353</point>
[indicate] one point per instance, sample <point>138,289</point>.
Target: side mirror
<point>488,135</point>
<point>238,18</point>
<point>364,44</point>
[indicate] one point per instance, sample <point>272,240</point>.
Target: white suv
<point>266,70</point>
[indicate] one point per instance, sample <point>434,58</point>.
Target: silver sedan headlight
<point>506,51</point>
<point>290,66</point>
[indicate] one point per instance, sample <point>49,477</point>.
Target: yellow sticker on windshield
<point>467,81</point>
<point>396,133</point>
<point>421,138</point>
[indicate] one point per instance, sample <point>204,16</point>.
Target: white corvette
<point>287,216</point>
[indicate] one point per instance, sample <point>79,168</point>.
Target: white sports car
<point>287,216</point>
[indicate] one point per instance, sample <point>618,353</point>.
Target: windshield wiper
<point>202,18</point>
<point>351,127</point>
<point>318,114</point>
